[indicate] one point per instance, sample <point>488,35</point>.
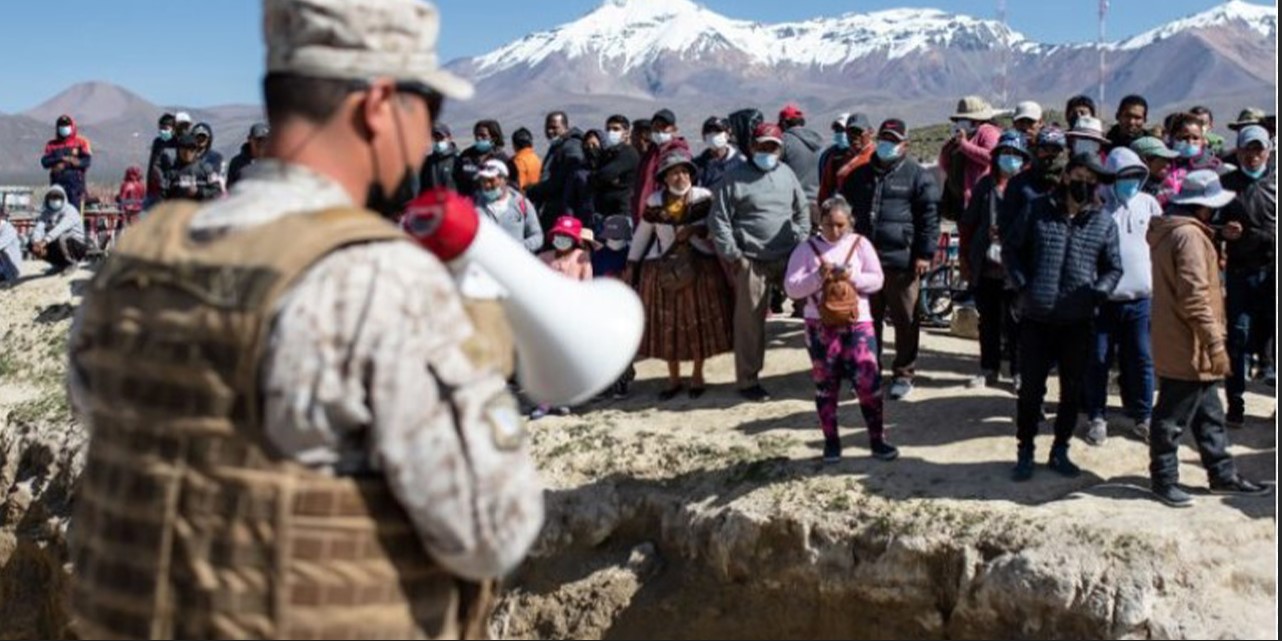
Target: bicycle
<point>942,284</point>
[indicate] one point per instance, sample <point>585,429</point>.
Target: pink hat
<point>568,226</point>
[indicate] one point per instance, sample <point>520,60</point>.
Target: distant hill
<point>119,124</point>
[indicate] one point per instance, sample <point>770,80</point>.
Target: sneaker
<point>1236,419</point>
<point>564,411</point>
<point>538,413</point>
<point>1172,496</point>
<point>1023,470</point>
<point>1060,462</point>
<point>756,394</point>
<point>987,379</point>
<point>1238,486</point>
<point>1098,432</point>
<point>1142,430</point>
<point>900,389</point>
<point>832,450</point>
<point>621,391</point>
<point>883,451</point>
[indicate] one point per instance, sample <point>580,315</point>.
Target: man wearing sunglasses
<point>289,436</point>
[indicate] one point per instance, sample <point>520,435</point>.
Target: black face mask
<point>377,199</point>
<point>1081,192</point>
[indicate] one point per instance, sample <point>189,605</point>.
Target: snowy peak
<point>633,33</point>
<point>1260,19</point>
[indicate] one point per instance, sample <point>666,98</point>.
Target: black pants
<point>998,329</point>
<point>65,252</point>
<point>1192,404</point>
<point>1043,346</point>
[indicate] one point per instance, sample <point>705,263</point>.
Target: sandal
<point>697,390</point>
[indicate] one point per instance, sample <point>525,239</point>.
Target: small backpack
<point>838,300</point>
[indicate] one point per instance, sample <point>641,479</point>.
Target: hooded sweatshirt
<point>10,252</point>
<point>57,151</point>
<point>53,224</point>
<point>211,157</point>
<point>132,191</point>
<point>1188,308</point>
<point>801,149</point>
<point>1133,218</point>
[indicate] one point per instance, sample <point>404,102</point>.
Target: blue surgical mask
<point>1187,149</point>
<point>887,150</point>
<point>563,243</point>
<point>765,161</point>
<point>1010,165</point>
<point>491,195</point>
<point>841,140</point>
<point>484,146</point>
<point>1127,188</point>
<point>64,131</point>
<point>1256,174</point>
<point>166,134</point>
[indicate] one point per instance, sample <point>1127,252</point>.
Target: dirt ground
<point>718,512</point>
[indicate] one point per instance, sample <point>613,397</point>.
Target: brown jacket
<point>1188,301</point>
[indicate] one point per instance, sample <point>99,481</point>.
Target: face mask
<point>484,146</point>
<point>1080,191</point>
<point>1010,165</point>
<point>491,195</point>
<point>680,191</point>
<point>1127,188</point>
<point>1188,149</point>
<point>717,141</point>
<point>1255,174</point>
<point>1091,147</point>
<point>661,137</point>
<point>166,134</point>
<point>887,150</point>
<point>64,131</point>
<point>613,138</point>
<point>841,140</point>
<point>442,147</point>
<point>563,243</point>
<point>765,161</point>
<point>616,245</point>
<point>56,204</point>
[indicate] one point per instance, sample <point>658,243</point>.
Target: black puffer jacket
<point>1061,267</point>
<point>1256,209</point>
<point>613,180</point>
<point>438,170</point>
<point>897,207</point>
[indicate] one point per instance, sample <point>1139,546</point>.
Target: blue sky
<point>208,53</point>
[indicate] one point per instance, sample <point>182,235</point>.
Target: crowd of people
<point>1062,230</point>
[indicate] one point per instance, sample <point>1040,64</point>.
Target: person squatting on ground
<point>835,273</point>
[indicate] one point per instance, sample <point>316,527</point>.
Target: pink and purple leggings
<point>840,354</point>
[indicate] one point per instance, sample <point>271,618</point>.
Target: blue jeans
<point>1251,295</point>
<point>1122,331</point>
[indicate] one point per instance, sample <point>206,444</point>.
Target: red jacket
<point>72,178</point>
<point>132,191</point>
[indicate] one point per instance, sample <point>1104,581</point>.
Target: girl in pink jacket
<point>848,351</point>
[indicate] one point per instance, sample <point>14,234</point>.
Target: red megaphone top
<point>443,222</point>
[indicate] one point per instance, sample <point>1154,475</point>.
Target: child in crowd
<point>570,256</point>
<point>609,260</point>
<point>836,273</point>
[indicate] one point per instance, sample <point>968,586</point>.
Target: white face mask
<point>661,137</point>
<point>680,191</point>
<point>613,138</point>
<point>717,141</point>
<point>563,243</point>
<point>616,245</point>
<point>55,204</point>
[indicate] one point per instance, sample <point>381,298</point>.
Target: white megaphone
<point>567,351</point>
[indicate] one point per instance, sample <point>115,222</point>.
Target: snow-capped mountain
<point>630,55</point>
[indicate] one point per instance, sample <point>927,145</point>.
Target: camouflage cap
<point>358,40</point>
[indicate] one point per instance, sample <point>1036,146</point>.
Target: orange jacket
<point>529,167</point>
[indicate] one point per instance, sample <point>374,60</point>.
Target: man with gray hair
<point>291,436</point>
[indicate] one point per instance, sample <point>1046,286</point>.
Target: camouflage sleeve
<point>372,337</point>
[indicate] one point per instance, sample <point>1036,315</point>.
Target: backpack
<point>838,300</point>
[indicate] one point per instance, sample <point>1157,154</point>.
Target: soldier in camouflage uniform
<point>289,437</point>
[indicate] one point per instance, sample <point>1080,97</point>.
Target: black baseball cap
<point>716,123</point>
<point>894,127</point>
<point>664,115</point>
<point>188,141</point>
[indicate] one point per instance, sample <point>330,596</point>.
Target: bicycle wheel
<point>936,300</point>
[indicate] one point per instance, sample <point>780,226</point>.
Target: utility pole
<point>1103,71</point>
<point>1003,82</point>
